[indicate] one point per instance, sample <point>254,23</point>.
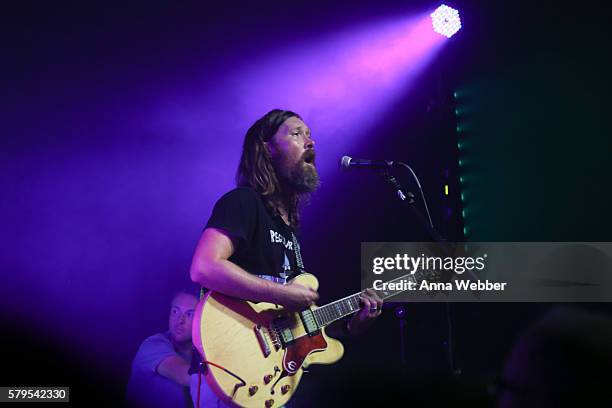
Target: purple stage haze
<point>114,162</point>
<point>342,85</point>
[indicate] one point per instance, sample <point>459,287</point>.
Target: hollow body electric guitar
<point>257,352</point>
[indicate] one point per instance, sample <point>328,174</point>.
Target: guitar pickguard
<point>296,353</point>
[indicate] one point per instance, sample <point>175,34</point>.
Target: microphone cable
<point>420,191</point>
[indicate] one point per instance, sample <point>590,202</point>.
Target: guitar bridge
<point>263,343</point>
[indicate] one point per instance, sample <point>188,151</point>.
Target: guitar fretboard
<point>333,311</point>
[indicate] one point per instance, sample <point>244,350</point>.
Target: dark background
<point>101,211</point>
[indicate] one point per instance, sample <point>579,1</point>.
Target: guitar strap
<point>298,253</point>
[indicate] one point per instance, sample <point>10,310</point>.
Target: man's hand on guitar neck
<point>371,308</point>
<point>296,297</point>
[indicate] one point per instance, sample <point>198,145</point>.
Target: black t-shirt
<point>265,245</point>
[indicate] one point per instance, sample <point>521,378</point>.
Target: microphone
<point>348,163</point>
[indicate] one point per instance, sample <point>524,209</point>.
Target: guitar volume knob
<point>285,388</point>
<point>252,390</point>
<point>269,403</point>
<point>267,378</point>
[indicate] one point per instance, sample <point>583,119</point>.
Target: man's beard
<point>302,178</point>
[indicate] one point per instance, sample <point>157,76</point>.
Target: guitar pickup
<point>263,343</point>
<point>309,322</point>
<point>282,327</point>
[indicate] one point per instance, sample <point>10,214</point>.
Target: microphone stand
<point>400,311</point>
<point>408,198</point>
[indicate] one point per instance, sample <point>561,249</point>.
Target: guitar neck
<point>333,311</point>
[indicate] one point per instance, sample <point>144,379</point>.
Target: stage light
<point>446,21</point>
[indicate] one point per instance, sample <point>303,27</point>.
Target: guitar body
<point>262,344</point>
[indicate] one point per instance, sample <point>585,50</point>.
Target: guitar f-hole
<point>283,375</point>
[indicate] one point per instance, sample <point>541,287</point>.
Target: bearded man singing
<point>250,248</point>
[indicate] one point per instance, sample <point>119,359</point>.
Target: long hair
<point>255,169</point>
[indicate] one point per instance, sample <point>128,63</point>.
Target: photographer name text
<point>459,285</point>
